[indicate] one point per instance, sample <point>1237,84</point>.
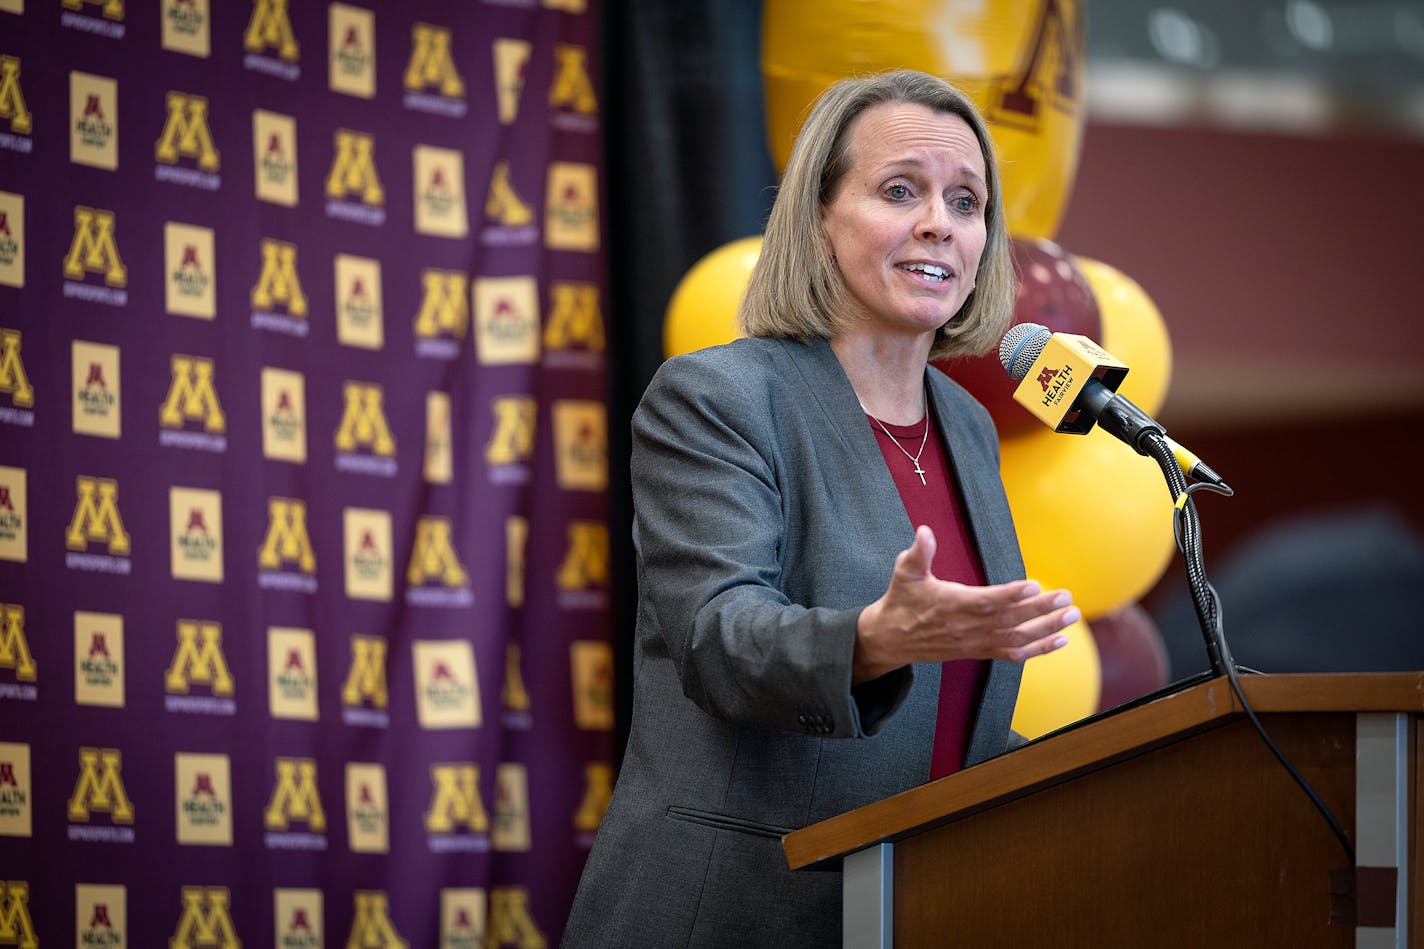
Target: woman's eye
<point>966,202</point>
<point>897,192</point>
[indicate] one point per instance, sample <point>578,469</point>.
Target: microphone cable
<point>1186,528</point>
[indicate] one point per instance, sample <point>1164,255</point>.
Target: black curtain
<point>688,170</point>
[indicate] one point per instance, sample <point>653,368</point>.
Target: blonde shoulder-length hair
<point>796,290</point>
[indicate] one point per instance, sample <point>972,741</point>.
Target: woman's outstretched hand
<point>922,618</point>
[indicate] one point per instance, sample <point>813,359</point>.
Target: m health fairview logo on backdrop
<point>101,916</point>
<point>97,526</point>
<point>360,314</point>
<point>184,153</point>
<point>284,415</point>
<point>274,157</point>
<point>270,47</point>
<point>511,58</point>
<point>97,389</point>
<point>298,917</point>
<point>447,691</point>
<point>440,192</point>
<point>286,561</point>
<point>439,466</point>
<point>367,555</point>
<point>93,270</point>
<point>368,814</point>
<point>99,669</point>
<point>278,301</point>
<point>580,444</point>
<point>351,38</point>
<point>571,207</point>
<point>12,239</point>
<point>199,660</point>
<point>196,529</point>
<point>16,791</point>
<point>291,673</point>
<point>93,120</point>
<point>506,320</point>
<point>190,270</point>
<point>14,514</point>
<point>203,799</point>
<point>187,27</point>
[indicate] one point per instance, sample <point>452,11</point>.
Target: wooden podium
<point>1168,824</point>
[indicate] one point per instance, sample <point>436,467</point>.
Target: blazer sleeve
<point>710,530</point>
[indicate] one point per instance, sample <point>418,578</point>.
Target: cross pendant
<point>920,471</point>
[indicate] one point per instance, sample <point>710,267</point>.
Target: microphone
<point>1070,384</point>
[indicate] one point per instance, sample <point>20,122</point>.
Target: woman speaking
<point>831,601</point>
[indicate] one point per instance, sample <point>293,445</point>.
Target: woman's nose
<point>935,222</point>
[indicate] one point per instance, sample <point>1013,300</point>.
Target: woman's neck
<point>887,373</point>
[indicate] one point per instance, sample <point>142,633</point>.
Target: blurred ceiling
<point>1292,65</point>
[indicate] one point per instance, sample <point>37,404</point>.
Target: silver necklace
<point>915,458</point>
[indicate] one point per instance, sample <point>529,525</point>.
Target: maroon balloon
<point>1049,290</point>
<point>1132,654</point>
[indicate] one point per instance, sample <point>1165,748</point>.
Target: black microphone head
<point>1020,346</point>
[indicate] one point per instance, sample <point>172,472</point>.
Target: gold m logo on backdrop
<point>186,133</point>
<point>575,319</point>
<point>513,438</point>
<point>1055,50</point>
<point>294,796</point>
<point>191,396</point>
<point>503,204</point>
<point>586,563</point>
<point>206,922</point>
<point>13,381</point>
<point>598,792</point>
<point>93,249</point>
<point>278,284</point>
<point>572,89</point>
<point>198,659</point>
<point>113,9</point>
<point>430,64</point>
<point>456,799</point>
<point>353,170</point>
<point>433,557</point>
<point>363,424</point>
<point>99,787</point>
<point>372,928</point>
<point>96,517</point>
<point>510,922</point>
<point>445,307</point>
<point>16,927</point>
<point>287,540</point>
<point>14,650</point>
<point>12,100</point>
<point>366,681</point>
<point>270,28</point>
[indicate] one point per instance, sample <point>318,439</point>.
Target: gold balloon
<point>1061,687</point>
<point>703,309</point>
<point>1021,61</point>
<point>1092,516</point>
<point>1134,332</point>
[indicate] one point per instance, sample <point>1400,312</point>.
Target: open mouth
<point>930,272</point>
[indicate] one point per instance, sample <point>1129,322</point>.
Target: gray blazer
<point>766,519</point>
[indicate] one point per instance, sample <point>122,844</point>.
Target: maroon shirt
<point>939,504</point>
